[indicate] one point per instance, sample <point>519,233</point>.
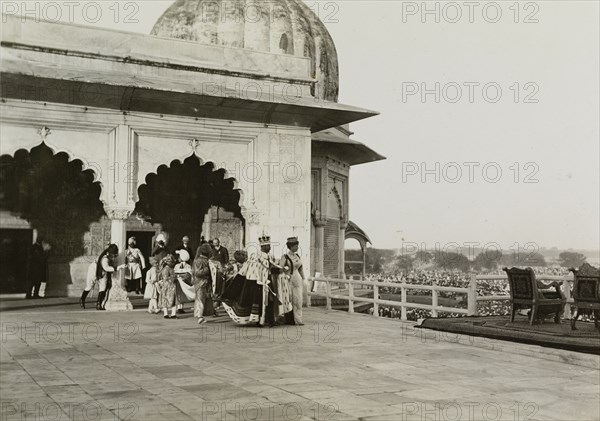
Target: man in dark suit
<point>185,245</point>
<point>220,253</point>
<point>37,268</point>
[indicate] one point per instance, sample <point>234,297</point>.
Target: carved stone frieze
<point>118,213</point>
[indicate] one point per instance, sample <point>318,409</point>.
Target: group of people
<point>267,291</point>
<point>259,290</point>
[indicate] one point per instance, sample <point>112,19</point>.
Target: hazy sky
<point>536,121</point>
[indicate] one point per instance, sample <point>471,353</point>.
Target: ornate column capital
<point>318,219</point>
<point>344,221</point>
<point>252,216</point>
<point>319,223</point>
<point>118,213</point>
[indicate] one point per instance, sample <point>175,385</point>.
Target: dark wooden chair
<point>586,293</point>
<point>524,293</point>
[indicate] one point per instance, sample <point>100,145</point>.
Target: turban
<point>183,255</point>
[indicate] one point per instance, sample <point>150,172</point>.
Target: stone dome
<point>274,26</point>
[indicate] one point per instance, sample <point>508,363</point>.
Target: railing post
<point>472,297</point>
<point>403,308</point>
<point>328,294</point>
<point>376,300</point>
<point>566,286</point>
<point>350,297</point>
<point>434,300</point>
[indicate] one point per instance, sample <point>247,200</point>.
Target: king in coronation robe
<point>252,296</point>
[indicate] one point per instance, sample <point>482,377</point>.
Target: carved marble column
<point>319,252</point>
<point>364,258</point>
<point>253,229</point>
<point>342,259</point>
<point>206,225</point>
<point>117,296</point>
<point>319,244</point>
<point>118,226</point>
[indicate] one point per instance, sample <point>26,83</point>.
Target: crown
<point>264,240</point>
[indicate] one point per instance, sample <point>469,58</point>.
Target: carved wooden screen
<point>97,238</point>
<point>331,248</point>
<point>313,260</point>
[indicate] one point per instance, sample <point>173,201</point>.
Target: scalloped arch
<point>202,162</point>
<point>94,168</point>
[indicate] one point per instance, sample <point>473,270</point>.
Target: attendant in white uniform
<point>90,282</point>
<point>135,265</point>
<point>151,291</point>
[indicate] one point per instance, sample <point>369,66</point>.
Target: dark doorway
<point>179,196</point>
<point>58,198</point>
<point>14,247</point>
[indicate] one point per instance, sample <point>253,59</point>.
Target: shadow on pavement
<point>560,336</point>
<point>18,302</point>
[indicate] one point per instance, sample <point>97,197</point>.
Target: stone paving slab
<point>84,364</point>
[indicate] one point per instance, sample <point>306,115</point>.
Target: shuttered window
<point>331,248</point>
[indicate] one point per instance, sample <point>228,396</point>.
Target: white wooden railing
<point>471,292</point>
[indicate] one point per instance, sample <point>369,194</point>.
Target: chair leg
<point>596,317</point>
<point>513,309</point>
<point>557,316</point>
<point>534,310</point>
<point>574,319</point>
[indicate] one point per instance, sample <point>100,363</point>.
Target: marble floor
<point>60,364</point>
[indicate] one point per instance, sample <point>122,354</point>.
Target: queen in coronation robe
<point>252,295</point>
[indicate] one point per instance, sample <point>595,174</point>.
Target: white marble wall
<point>283,194</point>
<point>272,165</point>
